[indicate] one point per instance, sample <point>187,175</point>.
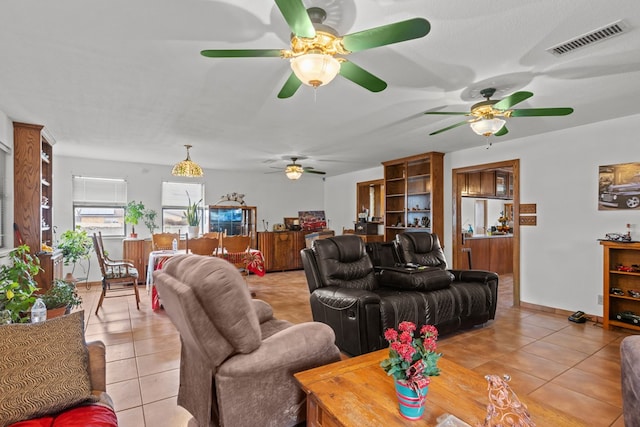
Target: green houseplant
<point>17,285</point>
<point>134,212</point>
<point>192,216</point>
<point>76,245</point>
<point>150,220</point>
<point>60,295</point>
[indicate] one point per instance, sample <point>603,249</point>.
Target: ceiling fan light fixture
<point>315,69</point>
<point>187,167</point>
<point>293,171</point>
<point>487,127</point>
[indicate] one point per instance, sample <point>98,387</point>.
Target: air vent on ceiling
<point>595,36</point>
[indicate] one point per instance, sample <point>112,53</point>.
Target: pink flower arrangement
<point>412,359</point>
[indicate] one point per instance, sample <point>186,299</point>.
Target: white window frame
<point>99,194</point>
<point>174,204</point>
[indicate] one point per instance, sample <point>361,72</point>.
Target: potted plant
<point>134,212</point>
<point>149,219</point>
<point>17,285</point>
<point>412,361</point>
<point>60,298</point>
<point>76,245</point>
<point>193,218</point>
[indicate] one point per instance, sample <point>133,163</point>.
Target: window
<point>175,198</point>
<point>99,205</point>
<point>4,150</point>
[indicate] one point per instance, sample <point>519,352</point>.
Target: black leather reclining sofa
<point>361,290</point>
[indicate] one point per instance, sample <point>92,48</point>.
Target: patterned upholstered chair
<point>116,275</point>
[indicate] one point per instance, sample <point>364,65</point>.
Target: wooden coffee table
<point>357,392</point>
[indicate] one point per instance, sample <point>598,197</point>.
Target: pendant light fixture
<point>487,126</point>
<point>187,167</point>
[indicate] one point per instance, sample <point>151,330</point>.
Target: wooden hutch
<point>33,201</point>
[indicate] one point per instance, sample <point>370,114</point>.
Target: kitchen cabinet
<point>281,249</point>
<point>490,184</point>
<point>490,253</point>
<point>618,261</point>
<point>33,201</point>
<point>414,195</point>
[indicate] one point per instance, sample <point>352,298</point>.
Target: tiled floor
<point>572,367</point>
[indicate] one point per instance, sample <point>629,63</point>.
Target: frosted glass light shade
<point>293,171</point>
<point>487,127</point>
<point>315,69</point>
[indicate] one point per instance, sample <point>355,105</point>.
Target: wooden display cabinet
<point>281,250</point>
<point>33,201</point>
<point>414,195</point>
<point>235,220</point>
<point>137,250</point>
<point>620,254</point>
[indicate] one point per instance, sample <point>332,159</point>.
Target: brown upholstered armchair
<point>238,361</point>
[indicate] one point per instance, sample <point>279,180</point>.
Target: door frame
<point>457,220</point>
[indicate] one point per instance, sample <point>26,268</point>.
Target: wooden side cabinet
<point>137,250</point>
<point>281,250</point>
<point>618,258</point>
<point>51,264</point>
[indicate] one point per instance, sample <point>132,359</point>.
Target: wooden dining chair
<point>163,241</point>
<point>203,246</point>
<point>116,274</point>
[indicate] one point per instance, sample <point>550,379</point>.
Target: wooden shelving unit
<point>33,202</point>
<point>616,254</point>
<point>414,194</point>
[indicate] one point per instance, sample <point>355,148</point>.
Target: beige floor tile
<point>548,321</point>
<point>159,386</point>
<point>108,327</point>
<point>121,370</point>
<point>590,410</point>
<point>521,382</point>
<point>606,368</point>
<point>533,365</point>
<point>582,344</point>
<point>554,352</point>
<point>133,417</point>
<point>125,394</point>
<point>596,386</point>
<point>148,346</point>
<point>161,329</point>
<point>119,352</point>
<point>111,338</point>
<point>167,413</point>
<point>158,362</point>
<point>619,422</point>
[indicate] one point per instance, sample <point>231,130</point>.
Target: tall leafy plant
<point>17,284</point>
<point>191,214</point>
<point>133,214</point>
<point>75,245</point>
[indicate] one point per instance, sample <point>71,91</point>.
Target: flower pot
<point>56,312</point>
<point>70,279</point>
<point>194,232</point>
<point>411,403</point>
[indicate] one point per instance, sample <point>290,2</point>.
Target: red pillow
<point>81,416</point>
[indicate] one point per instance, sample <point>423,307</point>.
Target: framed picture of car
<point>619,186</point>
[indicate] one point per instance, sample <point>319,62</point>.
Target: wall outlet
<point>600,300</point>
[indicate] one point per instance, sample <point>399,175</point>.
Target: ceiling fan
<point>317,51</point>
<point>486,114</point>
<point>294,170</point>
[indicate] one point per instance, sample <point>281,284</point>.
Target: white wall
<point>274,196</point>
<point>561,260</point>
<point>6,137</point>
<point>340,196</point>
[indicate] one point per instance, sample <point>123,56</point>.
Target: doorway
<point>488,182</point>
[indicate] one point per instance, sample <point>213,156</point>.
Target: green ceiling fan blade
<point>309,169</point>
<point>297,18</point>
<point>243,53</point>
<point>290,87</point>
<point>502,131</point>
<point>511,100</point>
<point>533,112</point>
<point>449,127</point>
<point>448,113</point>
<point>361,77</point>
<point>387,34</point>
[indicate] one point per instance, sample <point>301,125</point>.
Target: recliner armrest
<point>340,298</point>
<point>474,276</point>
